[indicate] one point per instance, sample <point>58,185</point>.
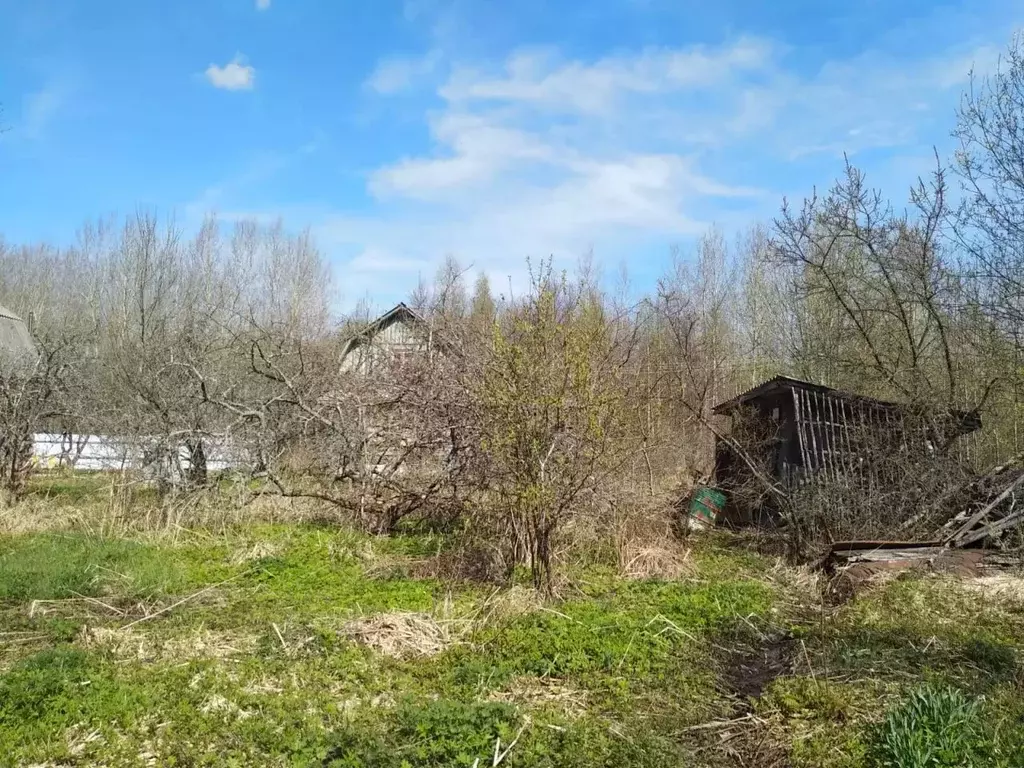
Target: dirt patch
<point>748,671</point>
<point>745,738</point>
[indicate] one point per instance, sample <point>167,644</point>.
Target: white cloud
<point>536,77</point>
<point>542,155</point>
<point>236,75</point>
<point>481,149</point>
<point>399,73</point>
<point>262,5</point>
<point>40,108</point>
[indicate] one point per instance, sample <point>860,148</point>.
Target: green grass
<point>871,675</point>
<point>58,566</point>
<point>248,661</point>
<point>69,487</point>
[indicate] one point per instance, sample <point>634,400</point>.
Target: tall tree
<point>989,162</point>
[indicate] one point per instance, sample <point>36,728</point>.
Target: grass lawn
<point>298,645</point>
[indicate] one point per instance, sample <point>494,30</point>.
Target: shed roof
<point>780,384</point>
<point>968,421</point>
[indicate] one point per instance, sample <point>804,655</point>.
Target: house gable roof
<point>16,344</point>
<point>400,313</point>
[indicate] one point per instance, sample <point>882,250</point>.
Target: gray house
<point>16,344</point>
<point>398,333</point>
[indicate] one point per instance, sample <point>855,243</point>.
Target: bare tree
<point>878,281</point>
<point>989,163</point>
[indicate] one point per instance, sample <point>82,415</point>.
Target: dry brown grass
<point>504,604</point>
<point>127,644</point>
<point>260,550</point>
<point>1003,587</point>
<point>668,560</point>
<point>114,511</point>
<point>217,704</point>
<point>401,635</point>
<point>536,692</point>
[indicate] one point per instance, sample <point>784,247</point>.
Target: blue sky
<point>401,131</point>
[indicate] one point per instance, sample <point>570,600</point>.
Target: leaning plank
<point>962,531</point>
<point>993,528</point>
<point>957,520</point>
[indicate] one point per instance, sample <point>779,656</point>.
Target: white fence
<point>103,453</point>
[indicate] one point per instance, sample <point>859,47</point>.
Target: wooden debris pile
<point>993,508</point>
<point>854,565</point>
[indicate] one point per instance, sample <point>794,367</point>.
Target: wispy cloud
<point>399,73</point>
<point>536,77</point>
<point>538,154</point>
<point>543,155</point>
<point>236,75</point>
<point>262,5</point>
<point>40,108</point>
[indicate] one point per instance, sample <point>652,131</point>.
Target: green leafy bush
<point>934,728</point>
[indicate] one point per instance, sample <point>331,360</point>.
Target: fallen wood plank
<point>847,546</point>
<point>888,555</point>
<point>983,512</point>
<point>993,528</point>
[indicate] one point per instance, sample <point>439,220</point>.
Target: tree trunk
<point>197,473</point>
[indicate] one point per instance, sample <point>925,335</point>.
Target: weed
<point>422,734</point>
<point>934,728</point>
<point>56,689</point>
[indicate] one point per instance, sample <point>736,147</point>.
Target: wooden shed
<point>810,430</point>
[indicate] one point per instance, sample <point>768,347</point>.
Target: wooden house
<point>394,336</point>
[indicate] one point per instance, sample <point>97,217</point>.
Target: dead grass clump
<point>219,704</point>
<point>505,604</point>
<point>654,560</point>
<point>535,692</point>
<point>36,515</point>
<point>141,646</point>
<point>799,586</point>
<point>400,635</point>
<point>1002,587</point>
<point>261,550</point>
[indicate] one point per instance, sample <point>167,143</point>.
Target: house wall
<point>104,453</point>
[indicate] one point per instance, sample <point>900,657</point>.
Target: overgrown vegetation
<point>458,540</point>
<point>305,644</point>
